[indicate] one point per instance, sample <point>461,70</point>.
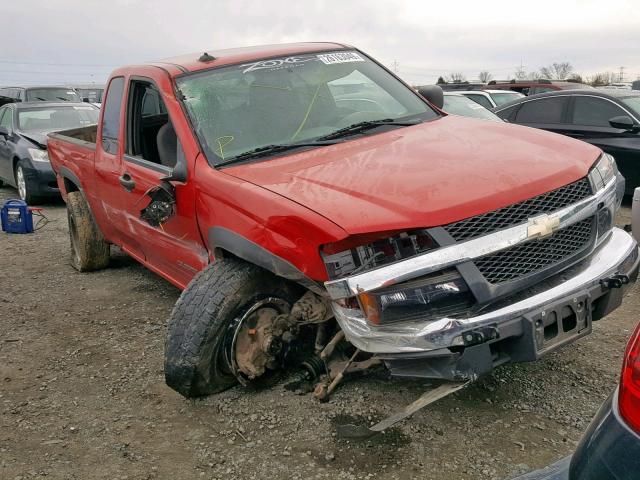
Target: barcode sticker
<point>340,57</point>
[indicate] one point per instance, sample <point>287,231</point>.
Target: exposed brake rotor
<point>257,340</point>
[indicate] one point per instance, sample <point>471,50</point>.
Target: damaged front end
<point>453,302</point>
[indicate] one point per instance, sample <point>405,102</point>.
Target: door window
<point>544,110</point>
<point>594,112</point>
<point>5,119</point>
<point>480,100</point>
<point>150,134</point>
<point>111,116</point>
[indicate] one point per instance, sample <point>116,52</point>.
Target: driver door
<point>152,151</point>
<point>589,121</point>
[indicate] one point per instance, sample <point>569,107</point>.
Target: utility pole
<point>621,74</point>
<point>395,66</point>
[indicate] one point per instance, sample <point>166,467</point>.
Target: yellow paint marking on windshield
<point>306,115</point>
<point>223,142</point>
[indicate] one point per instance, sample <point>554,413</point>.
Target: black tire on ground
<point>1,183</point>
<point>89,250</point>
<point>26,192</point>
<point>195,362</point>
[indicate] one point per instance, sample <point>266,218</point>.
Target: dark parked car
<point>41,94</point>
<point>24,162</point>
<point>609,119</point>
<point>610,448</point>
<point>532,87</point>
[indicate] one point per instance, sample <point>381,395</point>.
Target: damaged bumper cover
<point>614,253</point>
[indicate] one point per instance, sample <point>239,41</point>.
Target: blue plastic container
<point>16,217</point>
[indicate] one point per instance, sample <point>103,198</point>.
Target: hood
<point>425,175</point>
<point>40,139</point>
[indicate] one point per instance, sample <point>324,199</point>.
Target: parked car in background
<point>461,86</point>
<point>92,94</point>
<point>457,104</point>
<point>24,162</point>
<point>491,99</point>
<point>608,119</point>
<point>532,87</point>
<point>41,94</point>
<point>610,447</point>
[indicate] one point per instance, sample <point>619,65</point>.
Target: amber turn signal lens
<point>370,307</point>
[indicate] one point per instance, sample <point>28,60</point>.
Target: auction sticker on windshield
<point>340,57</point>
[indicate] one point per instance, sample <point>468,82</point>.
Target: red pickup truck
<point>313,206</point>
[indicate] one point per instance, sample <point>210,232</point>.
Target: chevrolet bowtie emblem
<point>542,226</point>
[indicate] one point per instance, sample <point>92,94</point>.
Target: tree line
<point>555,71</point>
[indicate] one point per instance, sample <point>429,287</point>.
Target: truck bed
<point>85,136</point>
<point>73,151</point>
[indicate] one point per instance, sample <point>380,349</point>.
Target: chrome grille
<point>520,212</point>
<point>534,255</point>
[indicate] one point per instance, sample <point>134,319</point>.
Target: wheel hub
<point>255,339</point>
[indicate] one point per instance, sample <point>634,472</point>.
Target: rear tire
<point>196,361</point>
<point>89,250</point>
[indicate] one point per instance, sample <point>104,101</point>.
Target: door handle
<point>127,182</point>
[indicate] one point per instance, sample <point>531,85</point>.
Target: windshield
<point>52,95</point>
<point>94,95</point>
<point>56,118</point>
<point>461,105</point>
<point>505,97</point>
<point>633,103</point>
<point>300,98</point>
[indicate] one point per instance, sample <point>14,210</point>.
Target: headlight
<point>433,296</point>
<point>38,155</point>
<point>604,170</point>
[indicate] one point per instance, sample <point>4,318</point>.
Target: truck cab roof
<point>194,62</point>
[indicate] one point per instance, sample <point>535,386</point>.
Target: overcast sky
<point>67,41</point>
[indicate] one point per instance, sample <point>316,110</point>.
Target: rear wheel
<point>89,250</point>
<point>222,328</point>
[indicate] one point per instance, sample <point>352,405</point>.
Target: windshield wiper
<point>366,125</point>
<point>62,98</point>
<point>269,149</point>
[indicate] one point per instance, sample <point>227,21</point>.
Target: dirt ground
<point>82,393</point>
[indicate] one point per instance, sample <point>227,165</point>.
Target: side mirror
<point>623,122</point>
<point>179,173</point>
<point>433,93</point>
<point>4,132</point>
<point>85,100</point>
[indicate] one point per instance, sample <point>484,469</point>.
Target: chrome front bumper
<point>612,251</point>
<point>617,254</point>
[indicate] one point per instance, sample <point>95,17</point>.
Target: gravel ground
<point>82,393</point>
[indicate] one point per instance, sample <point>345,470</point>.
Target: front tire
<point>196,349</point>
<point>24,185</point>
<point>89,250</point>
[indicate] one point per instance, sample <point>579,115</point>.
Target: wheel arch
<point>70,181</point>
<point>225,243</point>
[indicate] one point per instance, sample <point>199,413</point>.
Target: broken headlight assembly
<point>432,296</point>
<point>365,252</point>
